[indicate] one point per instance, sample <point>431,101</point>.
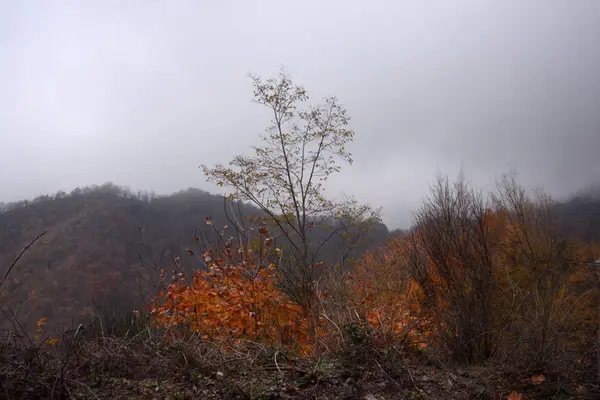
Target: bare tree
<point>539,261</point>
<point>285,178</point>
<point>452,260</point>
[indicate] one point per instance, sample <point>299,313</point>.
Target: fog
<point>142,92</point>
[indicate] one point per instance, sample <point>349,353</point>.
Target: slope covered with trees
<point>94,258</point>
<point>580,215</point>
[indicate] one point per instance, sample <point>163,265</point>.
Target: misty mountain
<point>580,215</point>
<point>100,242</point>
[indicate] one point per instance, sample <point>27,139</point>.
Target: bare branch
<point>11,266</point>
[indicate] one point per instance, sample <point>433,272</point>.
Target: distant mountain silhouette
<point>89,259</point>
<point>580,215</point>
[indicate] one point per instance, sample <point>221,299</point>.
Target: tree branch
<point>11,266</point>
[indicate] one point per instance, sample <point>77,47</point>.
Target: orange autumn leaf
<point>52,341</point>
<point>514,396</point>
<point>538,379</point>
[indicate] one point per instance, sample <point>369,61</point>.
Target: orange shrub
<point>233,303</point>
<point>381,293</point>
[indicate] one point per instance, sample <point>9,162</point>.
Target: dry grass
<point>85,365</point>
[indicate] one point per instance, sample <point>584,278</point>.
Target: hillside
<point>580,215</point>
<point>92,258</point>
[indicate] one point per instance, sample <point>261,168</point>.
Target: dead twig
<point>85,386</point>
<point>12,265</point>
<point>409,371</point>
<point>387,375</point>
<point>276,364</point>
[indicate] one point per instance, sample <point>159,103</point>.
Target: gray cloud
<point>142,92</point>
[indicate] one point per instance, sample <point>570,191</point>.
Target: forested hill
<point>89,259</point>
<point>580,215</point>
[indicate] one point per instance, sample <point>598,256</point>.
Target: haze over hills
<point>89,259</point>
<point>580,214</point>
<point>429,85</point>
<point>91,252</point>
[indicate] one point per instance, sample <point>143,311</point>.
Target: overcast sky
<point>142,92</point>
